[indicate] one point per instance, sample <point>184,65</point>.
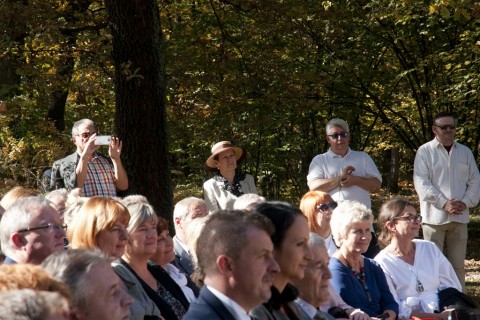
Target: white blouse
<point>418,285</point>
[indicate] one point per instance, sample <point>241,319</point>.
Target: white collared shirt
<point>329,164</point>
<point>235,309</point>
<point>439,176</point>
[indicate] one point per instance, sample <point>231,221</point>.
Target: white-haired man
<point>185,211</point>
<point>30,230</point>
<point>93,173</point>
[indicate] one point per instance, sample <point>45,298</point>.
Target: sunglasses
<point>446,127</point>
<point>417,218</point>
<point>335,136</point>
<point>85,135</point>
<point>325,206</point>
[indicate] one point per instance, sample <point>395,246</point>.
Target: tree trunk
<point>391,168</point>
<point>140,118</point>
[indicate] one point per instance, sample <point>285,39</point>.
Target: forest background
<point>266,75</point>
<point>173,77</point>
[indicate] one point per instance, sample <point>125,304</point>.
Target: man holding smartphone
<point>93,173</point>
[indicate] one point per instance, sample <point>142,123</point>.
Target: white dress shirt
<point>439,176</point>
<point>235,309</point>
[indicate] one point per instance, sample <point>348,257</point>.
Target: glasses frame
<point>342,135</point>
<point>85,135</point>
<point>446,127</point>
<point>416,218</point>
<point>331,205</point>
<point>50,226</point>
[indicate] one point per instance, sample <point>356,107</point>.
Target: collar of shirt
<point>183,245</point>
<point>439,144</point>
<point>235,309</point>
<point>334,155</point>
<point>310,310</point>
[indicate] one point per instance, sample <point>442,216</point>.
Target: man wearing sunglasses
<point>30,230</point>
<point>447,181</point>
<point>344,173</point>
<point>93,173</point>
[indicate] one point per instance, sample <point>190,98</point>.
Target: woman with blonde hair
<point>100,223</point>
<point>149,285</point>
<point>318,206</point>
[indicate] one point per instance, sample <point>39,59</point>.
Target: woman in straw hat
<point>228,183</point>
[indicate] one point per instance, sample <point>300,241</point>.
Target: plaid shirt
<point>100,179</point>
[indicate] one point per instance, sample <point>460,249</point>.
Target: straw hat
<point>221,146</point>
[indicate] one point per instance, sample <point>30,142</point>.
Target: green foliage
<point>266,75</point>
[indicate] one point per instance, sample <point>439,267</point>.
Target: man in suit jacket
<point>185,211</point>
<point>235,255</point>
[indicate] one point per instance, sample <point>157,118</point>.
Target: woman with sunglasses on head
<point>318,206</point>
<point>415,269</point>
<point>360,281</point>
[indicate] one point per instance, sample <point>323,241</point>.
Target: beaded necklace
<point>363,281</point>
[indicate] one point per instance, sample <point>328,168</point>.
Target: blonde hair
<point>95,215</point>
<point>30,276</point>
<point>14,194</point>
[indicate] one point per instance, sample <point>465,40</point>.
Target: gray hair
<point>314,240</point>
<point>336,122</point>
<point>140,212</point>
<point>345,215</point>
<point>79,123</point>
<point>18,217</point>
<point>29,304</point>
<point>71,267</point>
<point>245,200</point>
<point>183,206</point>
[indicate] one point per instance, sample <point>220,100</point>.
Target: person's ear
<point>224,264</point>
<point>18,240</point>
<point>177,221</point>
<point>390,225</point>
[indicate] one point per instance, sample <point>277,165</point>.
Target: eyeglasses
<point>446,127</point>
<point>85,135</point>
<point>412,218</point>
<point>335,136</point>
<point>325,206</point>
<point>50,226</point>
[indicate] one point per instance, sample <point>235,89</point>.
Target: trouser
<point>451,238</point>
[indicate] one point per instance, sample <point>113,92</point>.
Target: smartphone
<point>103,140</point>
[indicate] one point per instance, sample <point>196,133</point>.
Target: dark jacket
<point>208,306</point>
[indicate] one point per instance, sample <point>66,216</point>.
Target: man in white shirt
<point>235,255</point>
<point>185,211</point>
<point>344,173</point>
<point>447,181</point>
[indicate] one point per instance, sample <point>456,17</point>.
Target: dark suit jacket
<point>183,260</point>
<point>208,306</point>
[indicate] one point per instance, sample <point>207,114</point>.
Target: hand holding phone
<point>103,140</point>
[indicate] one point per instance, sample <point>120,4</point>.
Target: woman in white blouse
<point>228,183</point>
<point>415,269</point>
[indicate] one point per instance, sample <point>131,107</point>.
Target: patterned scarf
<point>235,188</point>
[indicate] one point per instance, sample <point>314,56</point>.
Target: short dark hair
<point>225,233</point>
<point>444,114</point>
<point>282,215</point>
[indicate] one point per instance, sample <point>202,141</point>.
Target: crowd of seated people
<point>74,257</point>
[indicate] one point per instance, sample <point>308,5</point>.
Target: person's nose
<point>273,266</point>
<point>123,234</point>
<point>126,299</point>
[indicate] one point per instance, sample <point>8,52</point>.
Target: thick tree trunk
<point>140,118</point>
<point>391,168</point>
